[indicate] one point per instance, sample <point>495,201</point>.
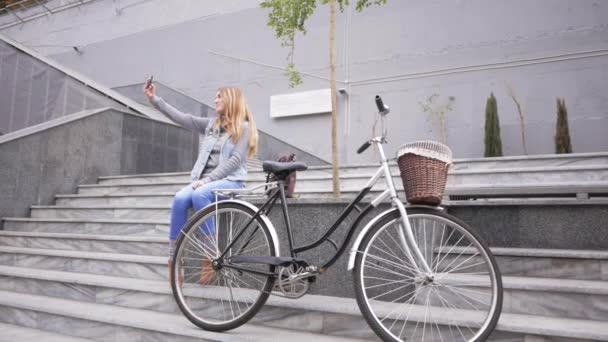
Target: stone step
<point>474,164</point>
<point>255,175</point>
<point>166,198</point>
<point>141,245</point>
<point>131,199</point>
<point>553,263</point>
<point>579,190</point>
<point>550,263</point>
<point>88,226</point>
<point>556,297</point>
<point>572,159</point>
<point>503,176</point>
<point>522,295</point>
<point>111,319</point>
<point>166,188</point>
<point>303,314</point>
<point>13,333</point>
<point>123,265</point>
<point>101,212</point>
<point>113,323</point>
<point>322,185</point>
<point>530,175</point>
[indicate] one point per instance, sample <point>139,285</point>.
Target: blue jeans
<point>197,199</point>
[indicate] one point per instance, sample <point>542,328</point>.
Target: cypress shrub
<point>492,129</point>
<point>562,133</point>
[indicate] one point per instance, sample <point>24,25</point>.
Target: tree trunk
<point>334,111</point>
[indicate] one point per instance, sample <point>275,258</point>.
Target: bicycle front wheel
<point>221,298</point>
<point>460,300</point>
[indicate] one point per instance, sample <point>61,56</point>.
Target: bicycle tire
<point>209,305</point>
<point>472,302</point>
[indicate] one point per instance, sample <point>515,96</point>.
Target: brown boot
<point>180,278</point>
<point>207,272</point>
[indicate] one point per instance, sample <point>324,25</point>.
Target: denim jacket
<point>233,156</point>
<point>206,142</point>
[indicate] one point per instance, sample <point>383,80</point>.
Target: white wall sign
<point>302,103</point>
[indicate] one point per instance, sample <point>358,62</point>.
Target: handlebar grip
<point>363,147</point>
<point>380,104</point>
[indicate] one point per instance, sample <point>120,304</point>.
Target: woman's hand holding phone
<point>149,88</point>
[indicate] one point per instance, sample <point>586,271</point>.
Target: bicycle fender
<point>273,232</point>
<point>368,226</point>
<point>355,247</point>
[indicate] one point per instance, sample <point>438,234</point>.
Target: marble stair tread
<point>596,287</point>
<point>83,220</point>
<point>527,201</point>
<point>170,323</point>
<point>549,187</point>
<point>152,321</point>
<point>311,302</point>
<point>143,285</point>
<point>591,159</point>
<point>124,238</point>
<point>368,171</point>
<point>14,333</point>
<point>589,185</point>
<point>538,252</point>
<point>86,255</point>
<point>131,184</point>
<point>555,327</point>
<point>445,203</point>
<point>126,194</point>
<point>552,253</point>
<point>100,207</point>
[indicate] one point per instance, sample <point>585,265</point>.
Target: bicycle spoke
<point>225,298</point>
<point>436,304</point>
<point>377,267</point>
<point>399,266</point>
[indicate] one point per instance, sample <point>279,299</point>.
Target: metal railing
<point>15,12</point>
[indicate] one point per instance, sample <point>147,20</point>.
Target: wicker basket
<point>424,171</point>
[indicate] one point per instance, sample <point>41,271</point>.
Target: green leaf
<point>288,17</point>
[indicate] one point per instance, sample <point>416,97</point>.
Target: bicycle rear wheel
<point>221,298</point>
<point>460,300</point>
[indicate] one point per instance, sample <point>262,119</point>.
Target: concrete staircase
<point>93,266</point>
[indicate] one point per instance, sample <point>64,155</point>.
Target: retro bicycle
<point>420,274</point>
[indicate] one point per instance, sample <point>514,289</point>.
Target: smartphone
<point>149,82</point>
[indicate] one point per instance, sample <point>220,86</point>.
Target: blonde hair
<point>235,113</point>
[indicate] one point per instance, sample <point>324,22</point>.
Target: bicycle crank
<point>293,281</point>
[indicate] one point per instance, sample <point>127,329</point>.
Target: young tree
<point>286,18</point>
<point>562,134</point>
<point>520,112</point>
<point>492,129</point>
<point>437,111</point>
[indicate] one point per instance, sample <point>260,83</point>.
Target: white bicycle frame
<point>406,235</point>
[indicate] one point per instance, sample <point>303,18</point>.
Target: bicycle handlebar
<point>364,147</point>
<point>382,110</point>
<point>379,104</point>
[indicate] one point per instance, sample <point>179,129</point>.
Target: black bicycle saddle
<point>279,167</point>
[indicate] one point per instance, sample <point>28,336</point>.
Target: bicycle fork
<point>406,235</point>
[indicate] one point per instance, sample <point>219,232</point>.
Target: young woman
<point>225,143</point>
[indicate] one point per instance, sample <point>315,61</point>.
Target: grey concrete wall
<point>552,226</point>
<point>405,51</point>
<point>33,92</point>
<point>150,146</point>
<point>58,159</point>
<point>185,103</point>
